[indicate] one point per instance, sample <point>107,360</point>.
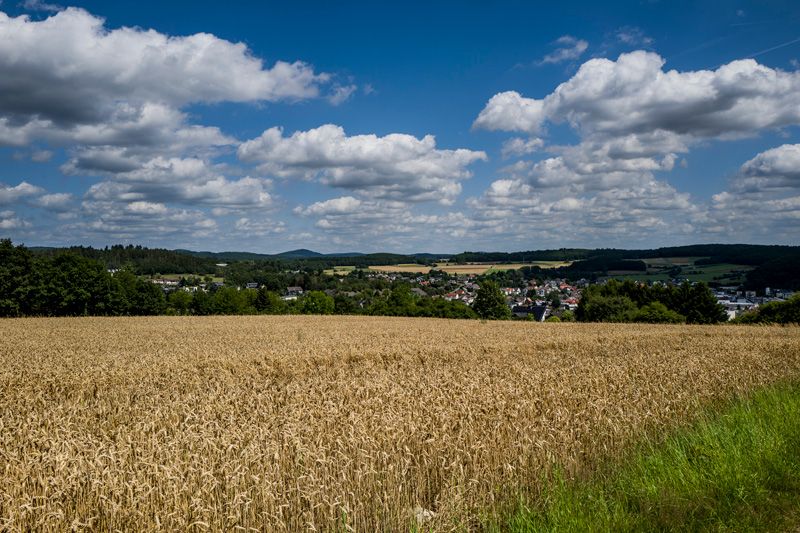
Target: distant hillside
<point>774,266</point>
<point>432,257</point>
<point>742,254</point>
<point>302,253</point>
<point>224,257</point>
<point>146,261</point>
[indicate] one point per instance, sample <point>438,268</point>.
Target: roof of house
<point>538,311</point>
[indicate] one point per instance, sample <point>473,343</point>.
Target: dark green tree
<point>138,297</point>
<point>202,304</point>
<point>230,301</point>
<point>345,305</point>
<point>269,303</point>
<point>787,312</point>
<point>378,307</point>
<point>657,313</point>
<point>262,299</point>
<point>490,303</point>
<point>179,302</point>
<point>401,301</point>
<point>568,316</point>
<point>317,303</point>
<point>71,285</point>
<point>622,302</point>
<point>697,303</point>
<point>598,308</point>
<point>16,264</point>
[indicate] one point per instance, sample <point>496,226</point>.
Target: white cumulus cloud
<point>396,166</point>
<point>763,200</point>
<point>13,194</point>
<point>519,147</point>
<point>69,79</point>
<point>189,181</point>
<point>54,201</point>
<point>334,206</point>
<point>634,94</point>
<point>633,118</point>
<point>510,111</point>
<point>568,48</point>
<point>773,169</point>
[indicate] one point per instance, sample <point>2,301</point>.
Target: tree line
<point>398,301</point>
<point>138,259</point>
<point>775,266</point>
<point>72,284</point>
<point>68,284</point>
<point>626,301</point>
<point>787,312</point>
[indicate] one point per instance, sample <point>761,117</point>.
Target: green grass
<point>338,270</point>
<point>641,276</point>
<point>670,261</point>
<point>736,469</point>
<point>709,272</point>
<point>724,272</point>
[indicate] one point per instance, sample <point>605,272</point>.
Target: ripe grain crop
<point>468,268</point>
<point>483,268</point>
<point>345,423</point>
<point>408,268</point>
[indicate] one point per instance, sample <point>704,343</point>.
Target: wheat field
<point>336,423</point>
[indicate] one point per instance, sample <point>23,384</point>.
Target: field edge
<point>736,467</point>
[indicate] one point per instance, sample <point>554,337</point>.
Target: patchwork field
<point>670,261</point>
<point>410,267</point>
<point>177,277</point>
<point>339,270</point>
<point>369,423</point>
<point>468,268</point>
<point>658,269</point>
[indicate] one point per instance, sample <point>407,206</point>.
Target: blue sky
<point>405,128</point>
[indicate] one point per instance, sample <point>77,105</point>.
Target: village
<point>535,300</point>
<point>737,302</point>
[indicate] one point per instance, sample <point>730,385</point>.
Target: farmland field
<point>339,270</point>
<point>670,261</point>
<point>177,277</point>
<point>295,422</point>
<point>468,268</point>
<point>658,270</point>
<point>405,267</point>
